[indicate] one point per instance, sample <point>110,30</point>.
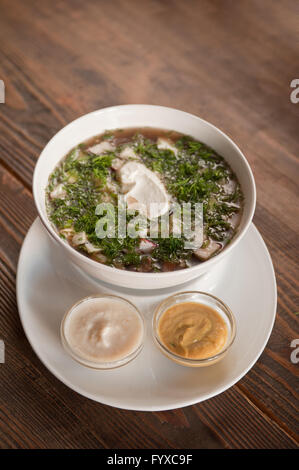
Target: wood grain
<point>228,62</point>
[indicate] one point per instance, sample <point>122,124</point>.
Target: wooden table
<point>230,62</point>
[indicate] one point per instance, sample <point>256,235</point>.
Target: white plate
<point>47,286</point>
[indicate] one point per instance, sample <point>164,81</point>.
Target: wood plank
<point>242,426</point>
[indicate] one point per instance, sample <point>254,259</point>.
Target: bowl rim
<point>109,364</point>
<point>185,360</point>
<point>132,274</point>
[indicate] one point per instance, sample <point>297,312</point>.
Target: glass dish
<point>205,299</point>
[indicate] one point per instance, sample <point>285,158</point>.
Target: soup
<point>152,172</point>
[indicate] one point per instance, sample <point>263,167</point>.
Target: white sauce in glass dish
<point>103,332</point>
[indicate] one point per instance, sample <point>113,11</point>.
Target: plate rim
<point>150,408</point>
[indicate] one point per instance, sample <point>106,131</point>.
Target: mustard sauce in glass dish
<point>194,328</point>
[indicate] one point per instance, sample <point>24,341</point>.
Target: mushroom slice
<point>79,238</point>
<point>117,163</point>
<point>146,246</point>
<point>102,147</point>
<point>166,144</point>
<point>169,266</point>
<point>67,232</point>
<point>100,258</point>
<point>128,153</point>
<point>90,248</point>
<point>59,192</point>
<point>204,254</point>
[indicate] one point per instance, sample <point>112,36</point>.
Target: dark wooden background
<point>230,62</point>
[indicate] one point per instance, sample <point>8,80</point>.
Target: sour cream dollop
<point>143,189</point>
<point>103,331</point>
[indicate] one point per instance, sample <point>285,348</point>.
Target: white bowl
<point>126,116</point>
